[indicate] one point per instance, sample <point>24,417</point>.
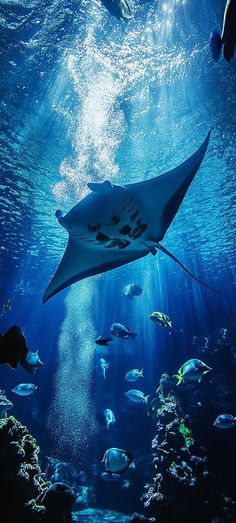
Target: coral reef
<point>184,487</point>
<point>33,498</point>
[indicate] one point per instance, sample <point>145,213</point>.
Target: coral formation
<point>184,487</point>
<point>33,498</point>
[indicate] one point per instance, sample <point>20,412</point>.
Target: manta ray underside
<point>115,225</point>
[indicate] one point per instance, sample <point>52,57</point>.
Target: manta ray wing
<point>158,200</point>
<point>81,260</point>
<point>161,196</point>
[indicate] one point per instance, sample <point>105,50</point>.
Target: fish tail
<point>141,372</point>
<point>165,251</point>
<point>215,44</point>
<point>146,398</point>
<point>37,387</point>
<point>133,335</point>
<point>179,378</point>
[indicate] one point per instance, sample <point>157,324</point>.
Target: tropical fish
<point>227,39</point>
<point>24,389</point>
<point>119,8</point>
<point>153,407</point>
<point>134,374</point>
<point>108,476</point>
<point>32,362</point>
<point>104,342</point>
<point>13,349</point>
<point>131,290</point>
<point>120,331</point>
<point>104,366</point>
<point>225,421</point>
<point>161,319</point>
<point>109,418</point>
<point>192,370</point>
<point>5,404</point>
<point>115,225</point>
<point>117,460</point>
<point>6,308</point>
<point>136,396</point>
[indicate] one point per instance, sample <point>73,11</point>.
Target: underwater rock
<point>183,488</point>
<point>22,481</point>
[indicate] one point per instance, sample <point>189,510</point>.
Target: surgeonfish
<point>131,290</point>
<point>161,319</point>
<point>104,366</point>
<point>137,396</point>
<point>117,460</point>
<point>109,418</point>
<point>225,421</point>
<point>24,389</point>
<point>134,374</point>
<point>32,362</point>
<point>120,331</point>
<point>227,39</point>
<point>104,341</point>
<point>191,371</point>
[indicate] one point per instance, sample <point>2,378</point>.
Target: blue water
<point>85,97</point>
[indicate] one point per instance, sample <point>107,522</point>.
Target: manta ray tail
<point>165,251</point>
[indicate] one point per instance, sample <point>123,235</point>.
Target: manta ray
<point>117,224</point>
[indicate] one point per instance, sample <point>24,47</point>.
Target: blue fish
<point>120,331</point>
<point>137,396</point>
<point>32,362</point>
<point>225,421</point>
<point>131,290</point>
<point>24,389</point>
<point>134,374</point>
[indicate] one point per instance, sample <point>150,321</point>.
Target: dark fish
<point>13,349</point>
<point>104,342</point>
<point>227,39</point>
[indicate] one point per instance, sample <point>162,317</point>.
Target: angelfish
<point>117,460</point>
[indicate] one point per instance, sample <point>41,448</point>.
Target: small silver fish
<point>136,396</point>
<point>24,389</point>
<point>109,418</point>
<point>134,374</point>
<point>104,366</point>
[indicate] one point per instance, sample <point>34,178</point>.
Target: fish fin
<point>165,251</point>
<point>37,387</point>
<point>141,372</point>
<point>228,51</point>
<point>80,261</point>
<point>100,188</point>
<point>133,334</point>
<point>179,378</point>
<point>215,44</point>
<point>132,465</point>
